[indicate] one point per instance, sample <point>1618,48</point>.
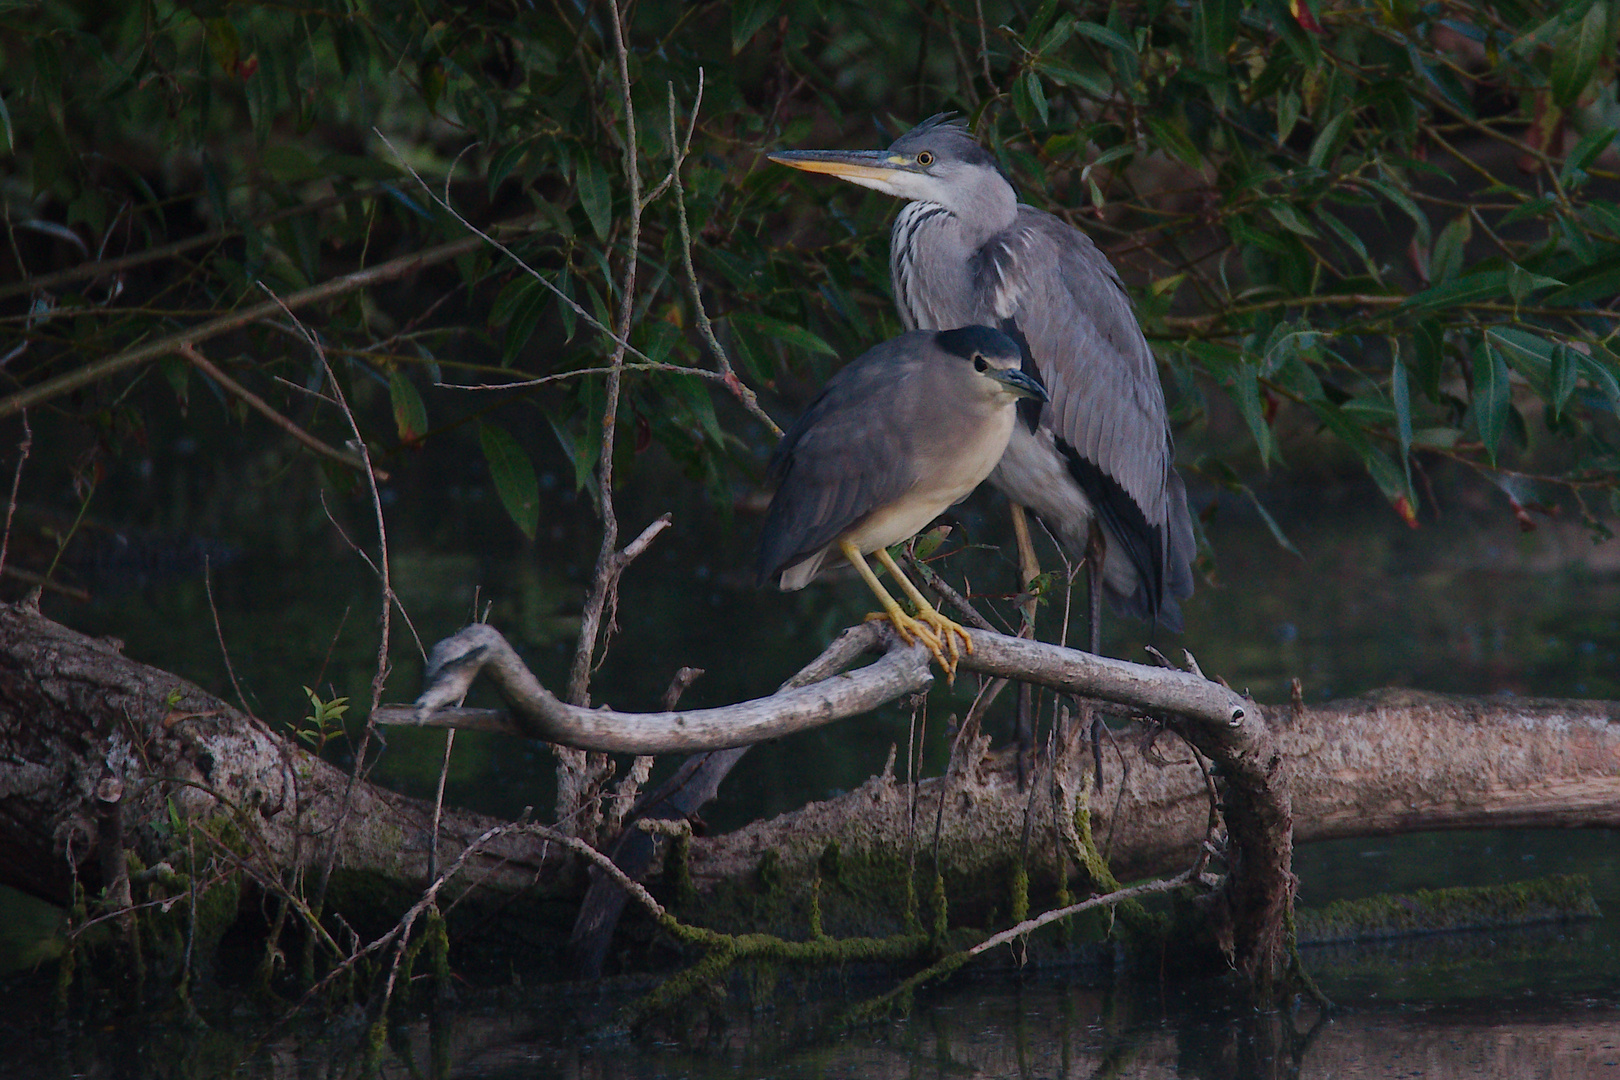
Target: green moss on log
<point>1429,911</point>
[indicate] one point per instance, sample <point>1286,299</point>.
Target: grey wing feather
<point>834,466</point>
<point>1106,399</point>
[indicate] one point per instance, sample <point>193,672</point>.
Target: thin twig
<point>219,635</point>
<point>259,405</point>
<point>705,328</point>
<point>23,448</point>
<point>1028,926</point>
<point>969,613</point>
<point>478,235</point>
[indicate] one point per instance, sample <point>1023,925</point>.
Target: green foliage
<point>325,720</point>
<point>1389,230</point>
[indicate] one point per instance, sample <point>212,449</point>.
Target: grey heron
<point>965,250</point>
<point>907,429</point>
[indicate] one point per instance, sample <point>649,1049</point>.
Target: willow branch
<point>197,360</point>
<point>107,367</point>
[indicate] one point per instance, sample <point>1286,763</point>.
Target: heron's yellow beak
<point>854,165</point>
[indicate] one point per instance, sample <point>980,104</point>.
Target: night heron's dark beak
<point>849,164</point>
<point>1019,383</point>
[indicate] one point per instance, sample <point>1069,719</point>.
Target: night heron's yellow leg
<point>947,629</point>
<point>910,630</point>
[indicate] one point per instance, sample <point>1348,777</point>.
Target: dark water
<point>1465,603</point>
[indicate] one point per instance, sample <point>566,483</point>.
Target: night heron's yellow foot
<point>948,631</point>
<point>910,630</point>
<point>919,629</point>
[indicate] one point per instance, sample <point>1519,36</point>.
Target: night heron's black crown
<point>970,341</point>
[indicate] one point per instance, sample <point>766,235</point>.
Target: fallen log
<point>95,748</point>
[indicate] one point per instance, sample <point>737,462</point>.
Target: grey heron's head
<point>995,357</point>
<point>938,161</point>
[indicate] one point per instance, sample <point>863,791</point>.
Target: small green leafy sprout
<point>324,720</point>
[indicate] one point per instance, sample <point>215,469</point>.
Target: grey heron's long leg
<point>1096,551</point>
<point>910,630</point>
<point>1029,568</point>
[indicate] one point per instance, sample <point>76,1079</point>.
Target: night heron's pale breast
<point>896,437</point>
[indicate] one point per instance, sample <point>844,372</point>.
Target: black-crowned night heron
<point>899,434</point>
<point>965,250</point>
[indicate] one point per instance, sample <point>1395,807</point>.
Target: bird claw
<point>949,630</point>
<point>933,630</point>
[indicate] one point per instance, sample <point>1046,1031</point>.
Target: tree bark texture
<point>93,745</point>
<point>1392,761</point>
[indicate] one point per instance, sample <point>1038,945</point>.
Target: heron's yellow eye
<point>979,364</point>
<point>925,159</point>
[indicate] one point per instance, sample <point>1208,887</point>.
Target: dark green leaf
<point>1335,420</point>
<point>1104,36</point>
<point>1346,235</point>
<point>1095,83</point>
<point>1598,281</point>
<point>1601,370</point>
<point>1061,32</point>
<point>1403,201</point>
<point>1246,388</point>
<point>1168,135</point>
<point>1401,398</point>
<point>747,16</point>
<point>1604,216</point>
<point>1563,373</point>
<point>581,453</point>
<point>410,415</point>
<point>1447,261</point>
<point>505,161</point>
<point>532,302</point>
<point>1492,396</point>
<point>1468,289</point>
<point>796,336</point>
<point>1530,354</point>
<point>1287,114</point>
<point>596,196</point>
<point>1327,141</point>
<point>1521,282</point>
<point>289,164</point>
<point>1037,96</point>
<point>1290,219</point>
<point>514,477</point>
<point>223,43</point>
<point>1576,53</point>
<point>694,394</point>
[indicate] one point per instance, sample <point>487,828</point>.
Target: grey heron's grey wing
<point>846,456</point>
<point>1183,550</point>
<point>1107,408</point>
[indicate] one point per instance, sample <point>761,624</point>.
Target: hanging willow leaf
<point>596,196</point>
<point>410,415</point>
<point>1401,397</point>
<point>1491,396</point>
<point>514,477</point>
<point>1563,373</point>
<point>1246,386</point>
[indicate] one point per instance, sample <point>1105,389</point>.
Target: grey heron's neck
<point>978,212</point>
